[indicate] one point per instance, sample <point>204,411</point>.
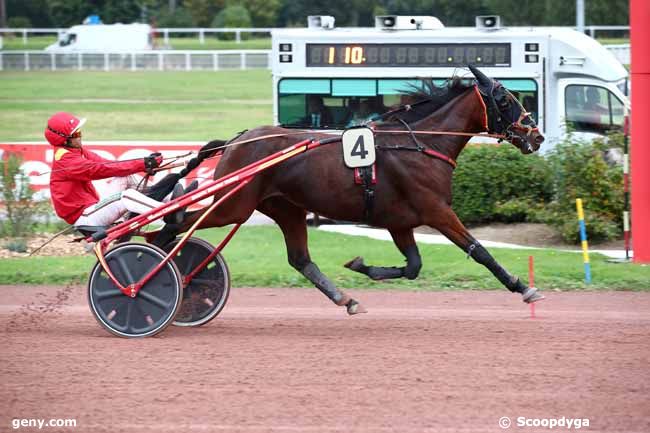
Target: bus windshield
<point>339,103</point>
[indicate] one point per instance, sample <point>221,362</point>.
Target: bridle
<point>512,132</point>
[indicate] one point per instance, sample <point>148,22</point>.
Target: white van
<point>567,80</point>
<point>114,38</point>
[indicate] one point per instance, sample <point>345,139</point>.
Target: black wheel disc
<point>155,305</point>
<point>207,293</point>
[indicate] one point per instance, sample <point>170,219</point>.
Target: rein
<point>429,152</point>
<point>464,134</point>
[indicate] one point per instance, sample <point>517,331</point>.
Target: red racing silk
<point>70,180</point>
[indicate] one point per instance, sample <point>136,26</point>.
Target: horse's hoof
<point>355,308</point>
<point>531,295</point>
<point>355,264</point>
<point>345,300</point>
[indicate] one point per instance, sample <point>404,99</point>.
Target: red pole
<point>640,144</point>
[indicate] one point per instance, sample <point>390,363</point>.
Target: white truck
<point>114,38</point>
<point>567,80</point>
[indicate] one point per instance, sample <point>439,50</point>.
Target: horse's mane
<point>429,97</point>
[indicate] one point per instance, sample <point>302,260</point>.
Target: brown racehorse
<point>414,172</point>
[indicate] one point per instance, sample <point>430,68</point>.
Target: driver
<point>73,195</point>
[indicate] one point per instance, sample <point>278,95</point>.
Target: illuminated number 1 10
<point>353,55</point>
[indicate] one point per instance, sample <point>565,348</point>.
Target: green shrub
<point>181,17</point>
<point>17,245</point>
<point>580,171</point>
<point>232,16</point>
<point>16,195</point>
<point>519,210</point>
<point>19,23</point>
<point>499,183</point>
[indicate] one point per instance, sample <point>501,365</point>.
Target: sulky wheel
<point>207,293</point>
<point>155,305</point>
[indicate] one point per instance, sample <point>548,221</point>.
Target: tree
<point>203,11</point>
<point>120,11</point>
<point>558,12</point>
<point>232,16</point>
<point>3,13</point>
<point>66,13</point>
<point>613,12</point>
<point>16,194</point>
<point>525,12</point>
<point>346,12</point>
<point>180,18</point>
<point>35,10</point>
<point>263,13</point>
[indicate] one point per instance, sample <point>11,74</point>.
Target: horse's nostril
<point>539,139</point>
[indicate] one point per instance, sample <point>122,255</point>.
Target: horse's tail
<point>166,185</point>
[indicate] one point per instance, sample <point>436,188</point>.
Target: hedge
<point>499,184</point>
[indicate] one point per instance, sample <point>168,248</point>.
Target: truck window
<point>326,103</point>
<point>592,109</point>
<point>68,39</point>
<point>346,102</point>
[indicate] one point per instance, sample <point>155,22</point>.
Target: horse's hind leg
<point>291,220</point>
<point>406,243</point>
<point>449,225</point>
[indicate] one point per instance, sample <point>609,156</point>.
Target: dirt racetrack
<point>286,360</point>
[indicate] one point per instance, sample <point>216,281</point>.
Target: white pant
<point>110,208</point>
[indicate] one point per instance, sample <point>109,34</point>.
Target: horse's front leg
<point>406,243</point>
<point>449,225</point>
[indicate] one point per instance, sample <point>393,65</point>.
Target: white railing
<point>593,29</point>
<point>165,32</point>
<point>201,32</point>
<point>621,52</point>
<point>168,60</point>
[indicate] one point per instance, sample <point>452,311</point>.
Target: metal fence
<point>621,52</point>
<point>201,32</point>
<point>164,32</point>
<point>169,60</point>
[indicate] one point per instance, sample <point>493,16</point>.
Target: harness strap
<point>419,147</point>
<point>434,154</point>
<point>366,176</point>
<point>459,133</point>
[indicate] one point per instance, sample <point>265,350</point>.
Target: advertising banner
<point>37,160</point>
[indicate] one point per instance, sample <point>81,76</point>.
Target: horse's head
<point>506,115</point>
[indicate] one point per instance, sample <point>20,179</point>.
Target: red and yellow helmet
<point>61,127</point>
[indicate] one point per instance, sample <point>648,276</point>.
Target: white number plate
<point>358,147</point>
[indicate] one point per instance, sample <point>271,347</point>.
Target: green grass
<point>137,105</point>
<point>212,43</point>
<point>613,41</point>
<point>192,43</point>
<point>15,43</point>
<point>257,258</point>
